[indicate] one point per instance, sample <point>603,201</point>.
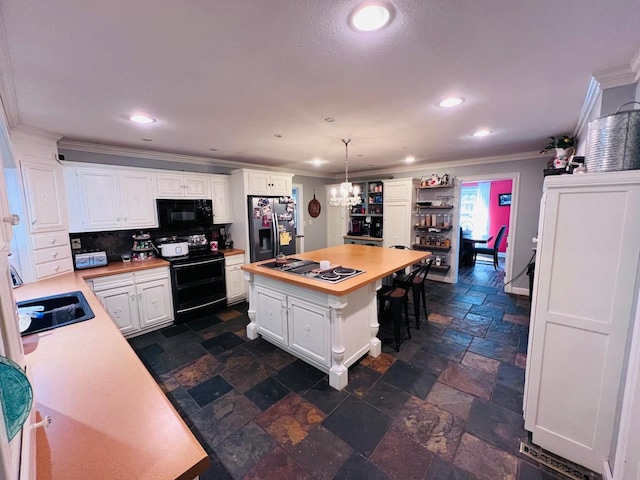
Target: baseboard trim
<point>520,291</point>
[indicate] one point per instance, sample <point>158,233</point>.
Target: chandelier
<point>349,195</point>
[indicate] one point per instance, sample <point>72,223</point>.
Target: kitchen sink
<point>57,311</point>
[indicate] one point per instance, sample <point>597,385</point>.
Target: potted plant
<point>564,147</point>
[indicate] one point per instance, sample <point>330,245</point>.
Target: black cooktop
<point>311,269</point>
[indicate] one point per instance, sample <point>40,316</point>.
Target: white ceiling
<point>229,74</point>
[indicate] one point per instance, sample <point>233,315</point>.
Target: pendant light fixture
<point>349,195</point>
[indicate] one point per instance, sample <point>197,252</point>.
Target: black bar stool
<point>392,299</point>
<point>418,289</point>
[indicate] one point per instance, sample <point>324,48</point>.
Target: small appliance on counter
<point>90,260</point>
<point>173,247</point>
<point>143,248</point>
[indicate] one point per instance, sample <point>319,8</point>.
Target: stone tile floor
<point>447,406</point>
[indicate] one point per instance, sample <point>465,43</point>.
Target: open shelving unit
<point>433,225</point>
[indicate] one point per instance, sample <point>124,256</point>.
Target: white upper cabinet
<point>99,199</point>
<point>221,202</point>
<point>175,185</point>
<point>45,196</point>
<point>139,206</point>
<point>266,183</point>
<point>103,199</point>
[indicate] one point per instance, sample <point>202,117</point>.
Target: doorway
<point>487,202</point>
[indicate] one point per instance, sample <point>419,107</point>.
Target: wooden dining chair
<point>493,250</point>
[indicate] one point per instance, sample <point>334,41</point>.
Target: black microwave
<point>184,214</point>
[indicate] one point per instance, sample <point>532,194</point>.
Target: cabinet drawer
<point>49,240</point>
<point>233,260</point>
<point>54,268</point>
<point>49,254</point>
<point>111,281</point>
<point>160,273</point>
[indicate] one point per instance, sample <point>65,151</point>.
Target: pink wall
<point>499,215</point>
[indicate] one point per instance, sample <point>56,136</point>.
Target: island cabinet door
<point>309,328</point>
<point>271,313</point>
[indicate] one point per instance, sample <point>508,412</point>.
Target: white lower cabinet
<point>137,302</point>
<point>309,326</point>
<point>234,278</point>
<point>295,323</point>
<point>271,307</point>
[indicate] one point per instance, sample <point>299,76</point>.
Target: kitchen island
<point>328,325</point>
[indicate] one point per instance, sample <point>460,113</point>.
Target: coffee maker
<point>356,226</point>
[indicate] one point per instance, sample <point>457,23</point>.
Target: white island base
<point>327,331</point>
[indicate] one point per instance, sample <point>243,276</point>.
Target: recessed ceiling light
<point>329,119</point>
<point>370,18</point>
<point>451,102</point>
<point>409,159</point>
<point>317,162</point>
<point>482,133</point>
<point>277,135</point>
<point>138,118</point>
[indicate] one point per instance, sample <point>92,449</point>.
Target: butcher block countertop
<point>375,261</point>
<point>110,420</point>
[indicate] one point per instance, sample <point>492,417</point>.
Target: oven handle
<point>204,262</point>
<point>200,306</point>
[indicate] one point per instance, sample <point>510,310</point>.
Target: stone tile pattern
<point>447,406</point>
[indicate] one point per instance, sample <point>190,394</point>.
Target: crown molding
<point>174,157</point>
<point>32,132</point>
<point>444,165</point>
<point>591,99</point>
<point>620,75</point>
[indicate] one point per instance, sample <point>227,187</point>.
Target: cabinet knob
<point>140,296</point>
<point>118,218</point>
<point>57,267</point>
<point>12,219</point>
<point>52,241</point>
<point>125,219</point>
<point>133,297</point>
<point>54,254</point>
<point>33,222</point>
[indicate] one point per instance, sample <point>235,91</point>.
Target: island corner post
<point>329,326</point>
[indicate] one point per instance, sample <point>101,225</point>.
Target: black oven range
<point>197,282</point>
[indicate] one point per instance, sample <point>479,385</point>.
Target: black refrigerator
<point>271,227</point>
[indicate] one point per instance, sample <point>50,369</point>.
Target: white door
<point>221,203</point>
<point>121,303</point>
<point>196,187</point>
<point>138,204</point>
<point>309,330</point>
<point>271,310</point>
<point>336,218</point>
<point>154,302</point>
<point>44,189</point>
<point>581,312</point>
<point>397,224</point>
<point>99,199</point>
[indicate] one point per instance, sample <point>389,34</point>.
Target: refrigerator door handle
<point>276,242</point>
